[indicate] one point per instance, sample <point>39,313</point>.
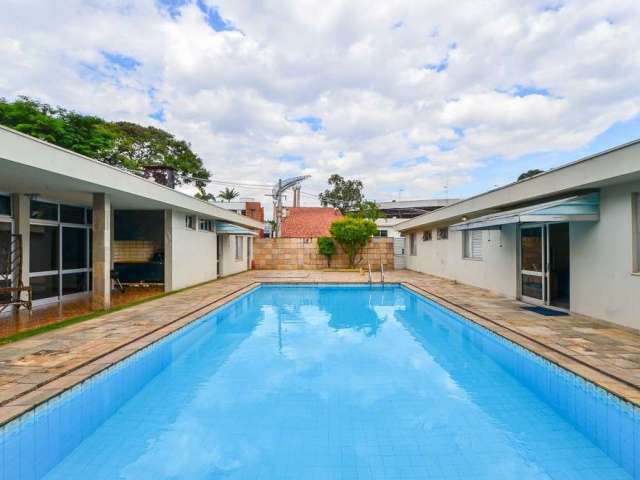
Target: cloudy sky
<point>416,98</point>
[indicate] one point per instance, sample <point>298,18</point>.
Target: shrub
<point>327,247</point>
<point>353,234</point>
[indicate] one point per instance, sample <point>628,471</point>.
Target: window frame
<point>239,247</point>
<point>443,233</point>
<point>467,241</point>
<point>427,235</point>
<point>190,222</point>
<point>635,209</point>
<point>413,245</point>
<point>205,225</point>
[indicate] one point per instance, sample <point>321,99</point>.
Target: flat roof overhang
<point>611,167</point>
<point>31,166</point>
<point>581,208</point>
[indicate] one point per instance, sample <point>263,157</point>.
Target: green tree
<point>202,194</point>
<point>345,195</point>
<point>136,146</point>
<point>274,228</point>
<point>327,248</point>
<point>116,143</point>
<point>530,173</point>
<point>353,234</point>
<point>228,194</point>
<point>368,209</point>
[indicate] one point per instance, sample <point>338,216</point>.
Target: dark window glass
<point>74,283</point>
<point>5,205</point>
<point>74,248</point>
<point>532,286</point>
<point>43,248</point>
<point>89,216</point>
<point>5,246</point>
<point>44,210</point>
<point>44,287</point>
<point>69,214</point>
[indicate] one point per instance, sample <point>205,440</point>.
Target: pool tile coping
<point>31,396</point>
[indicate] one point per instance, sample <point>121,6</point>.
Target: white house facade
<point>567,239</point>
<point>78,221</point>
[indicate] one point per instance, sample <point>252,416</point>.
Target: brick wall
<point>302,254</point>
<point>133,250</point>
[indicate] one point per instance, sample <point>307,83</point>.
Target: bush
<point>353,234</point>
<point>327,247</point>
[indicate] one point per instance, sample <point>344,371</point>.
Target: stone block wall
<point>302,254</point>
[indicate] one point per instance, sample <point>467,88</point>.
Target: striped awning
<point>578,208</point>
<point>226,228</point>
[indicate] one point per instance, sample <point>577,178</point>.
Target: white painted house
<point>80,219</point>
<point>568,238</point>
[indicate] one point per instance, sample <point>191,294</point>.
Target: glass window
<point>44,210</point>
<point>531,248</point>
<point>89,216</point>
<point>443,233</point>
<point>427,235</point>
<point>472,244</point>
<point>239,247</point>
<point>190,222</point>
<point>5,249</point>
<point>383,233</point>
<point>69,214</point>
<point>74,283</point>
<point>74,248</point>
<point>43,248</point>
<point>45,287</point>
<point>206,225</point>
<point>532,286</point>
<point>5,205</point>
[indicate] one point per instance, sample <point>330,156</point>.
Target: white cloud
<point>410,95</point>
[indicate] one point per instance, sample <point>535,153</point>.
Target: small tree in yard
<point>327,247</point>
<point>353,234</point>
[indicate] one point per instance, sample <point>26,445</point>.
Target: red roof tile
<point>308,221</point>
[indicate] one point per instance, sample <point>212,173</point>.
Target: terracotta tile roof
<point>308,221</point>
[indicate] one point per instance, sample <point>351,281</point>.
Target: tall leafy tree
<point>228,194</point>
<point>368,209</point>
<point>116,143</point>
<point>345,195</point>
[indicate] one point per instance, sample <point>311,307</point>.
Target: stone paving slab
<point>36,369</point>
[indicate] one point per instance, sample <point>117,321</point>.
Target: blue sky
<point>408,96</point>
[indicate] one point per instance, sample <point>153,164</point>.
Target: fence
<point>302,254</point>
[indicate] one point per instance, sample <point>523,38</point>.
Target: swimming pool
<point>324,382</point>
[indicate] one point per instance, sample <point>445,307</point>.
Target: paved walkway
<point>38,368</point>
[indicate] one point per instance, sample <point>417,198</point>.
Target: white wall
<point>602,282</point>
<point>230,264</point>
<point>192,255</point>
<point>497,271</point>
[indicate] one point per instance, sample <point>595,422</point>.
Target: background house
<point>307,222</point>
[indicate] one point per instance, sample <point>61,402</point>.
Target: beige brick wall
<point>302,254</point>
<point>133,250</point>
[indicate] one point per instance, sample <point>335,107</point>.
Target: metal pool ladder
<point>381,270</point>
<point>369,264</point>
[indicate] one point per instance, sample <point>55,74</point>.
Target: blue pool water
<point>328,382</point>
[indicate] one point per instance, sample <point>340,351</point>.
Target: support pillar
<point>168,250</point>
<point>21,215</point>
<point>101,294</point>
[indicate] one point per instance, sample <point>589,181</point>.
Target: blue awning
<point>578,208</point>
<point>231,229</point>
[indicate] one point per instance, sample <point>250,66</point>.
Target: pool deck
<point>36,369</point>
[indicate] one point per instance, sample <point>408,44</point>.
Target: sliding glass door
<point>533,275</point>
<point>60,262</point>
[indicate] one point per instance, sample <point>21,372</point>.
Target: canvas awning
<point>231,229</point>
<point>578,208</point>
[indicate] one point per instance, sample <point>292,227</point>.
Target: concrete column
<point>101,294</point>
<point>22,213</point>
<point>168,250</point>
